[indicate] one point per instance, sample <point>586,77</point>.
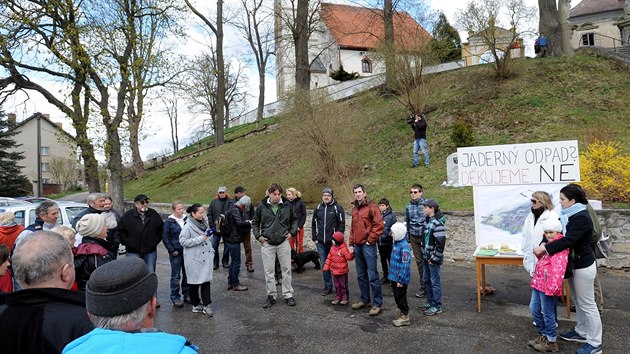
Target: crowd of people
<point>78,269</point>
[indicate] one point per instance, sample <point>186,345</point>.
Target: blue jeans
<point>323,251</point>
<point>367,274</point>
<point>178,273</point>
<point>234,250</point>
<point>420,144</point>
<point>543,310</point>
<point>432,283</point>
<point>149,258</point>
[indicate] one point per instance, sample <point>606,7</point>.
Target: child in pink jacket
<point>337,263</point>
<point>546,287</point>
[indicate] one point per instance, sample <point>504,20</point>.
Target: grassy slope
<point>549,99</point>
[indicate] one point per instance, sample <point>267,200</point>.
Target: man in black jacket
<point>219,206</point>
<point>140,231</point>
<point>328,217</point>
<point>274,224</point>
<point>419,126</point>
<point>45,315</point>
<point>239,192</point>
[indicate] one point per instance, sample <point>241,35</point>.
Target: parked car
<point>25,212</point>
<point>35,200</point>
<point>8,202</point>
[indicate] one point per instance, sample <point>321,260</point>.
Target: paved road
<point>241,325</point>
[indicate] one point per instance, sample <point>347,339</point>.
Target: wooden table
<point>481,262</point>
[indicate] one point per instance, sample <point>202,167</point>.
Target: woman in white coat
<point>198,258</point>
<point>541,210</point>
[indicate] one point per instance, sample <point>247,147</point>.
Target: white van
<point>25,213</point>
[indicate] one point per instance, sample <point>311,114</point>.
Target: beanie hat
<point>552,225</point>
<point>245,200</point>
<point>329,191</point>
<point>119,287</point>
<point>90,225</point>
<point>399,230</point>
<point>338,236</point>
<point>7,218</point>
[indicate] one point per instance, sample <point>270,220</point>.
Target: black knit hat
<point>328,191</point>
<point>119,287</point>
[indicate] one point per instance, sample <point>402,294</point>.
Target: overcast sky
<point>155,127</point>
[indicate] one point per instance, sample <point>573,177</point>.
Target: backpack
<point>222,225</point>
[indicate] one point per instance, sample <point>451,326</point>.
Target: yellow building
<point>476,50</point>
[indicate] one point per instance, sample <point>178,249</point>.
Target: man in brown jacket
<point>367,226</point>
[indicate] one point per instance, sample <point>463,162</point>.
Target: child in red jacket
<point>546,287</point>
<point>337,263</point>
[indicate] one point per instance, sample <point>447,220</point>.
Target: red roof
<point>356,27</point>
<point>587,7</point>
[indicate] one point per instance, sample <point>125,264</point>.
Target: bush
<point>342,75</point>
<point>605,173</point>
<point>462,134</point>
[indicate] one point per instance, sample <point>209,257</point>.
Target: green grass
<point>582,98</point>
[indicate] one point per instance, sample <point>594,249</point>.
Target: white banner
<point>534,163</point>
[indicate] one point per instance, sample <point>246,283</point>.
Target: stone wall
<point>460,227</point>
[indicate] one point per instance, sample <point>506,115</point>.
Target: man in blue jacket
<point>120,301</point>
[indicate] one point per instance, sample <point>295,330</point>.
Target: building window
<point>366,65</point>
<point>588,39</point>
<point>44,151</point>
<point>45,180</point>
<point>44,166</point>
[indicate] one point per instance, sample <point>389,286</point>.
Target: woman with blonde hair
<point>533,233</point>
<point>299,210</point>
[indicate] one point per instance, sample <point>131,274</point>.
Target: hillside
<point>583,98</point>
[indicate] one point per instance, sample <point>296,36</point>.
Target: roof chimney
<point>46,115</point>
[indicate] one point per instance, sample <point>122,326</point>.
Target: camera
<point>411,119</point>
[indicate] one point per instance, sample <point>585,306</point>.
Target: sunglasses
<point>143,201</point>
<point>534,201</point>
<point>414,192</point>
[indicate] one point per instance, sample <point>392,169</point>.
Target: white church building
<point>342,35</point>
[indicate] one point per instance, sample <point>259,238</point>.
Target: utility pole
<point>38,115</point>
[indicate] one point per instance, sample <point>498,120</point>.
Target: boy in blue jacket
<point>400,273</point>
<point>433,244</point>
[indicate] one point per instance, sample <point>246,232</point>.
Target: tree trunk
<point>300,39</point>
<point>134,118</point>
<point>549,25</point>
<point>565,27</point>
<point>114,165</point>
<point>261,97</point>
<point>219,132</point>
<point>388,22</point>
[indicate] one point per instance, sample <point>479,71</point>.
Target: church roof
<point>356,27</point>
<point>587,7</point>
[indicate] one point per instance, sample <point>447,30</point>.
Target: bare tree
<point>484,18</point>
<point>217,29</point>
<point>64,172</point>
<point>203,96</point>
<point>170,104</point>
<point>256,26</point>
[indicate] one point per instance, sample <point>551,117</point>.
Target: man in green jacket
<point>273,225</point>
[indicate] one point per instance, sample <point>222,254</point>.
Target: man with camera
<point>419,125</point>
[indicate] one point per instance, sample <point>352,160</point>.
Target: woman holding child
<point>578,230</point>
<point>541,210</point>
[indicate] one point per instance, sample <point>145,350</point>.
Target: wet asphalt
<point>241,325</point>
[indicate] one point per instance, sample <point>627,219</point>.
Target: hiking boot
<point>536,340</point>
<point>546,346</point>
<point>403,320</point>
<point>290,301</point>
<point>270,302</point>
<point>589,349</point>
<point>420,294</point>
<point>424,307</point>
<point>230,287</point>
<point>326,291</point>
<point>375,311</point>
<point>359,305</point>
<point>250,269</point>
<point>178,303</point>
<point>239,287</point>
<point>572,336</point>
<point>207,311</point>
<point>197,309</point>
<point>433,310</point>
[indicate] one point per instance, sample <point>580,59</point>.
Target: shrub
<point>605,173</point>
<point>342,75</point>
<point>462,133</point>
